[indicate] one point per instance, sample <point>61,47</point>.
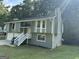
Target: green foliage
<point>19,11</point>
<point>4,14</point>
<point>3,10</point>
<point>1,0</point>
<point>22,11</point>
<point>35,8</point>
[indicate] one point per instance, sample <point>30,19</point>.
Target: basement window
<point>41,38</point>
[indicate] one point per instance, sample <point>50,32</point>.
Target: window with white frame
<point>41,37</point>
<point>40,25</point>
<point>43,25</point>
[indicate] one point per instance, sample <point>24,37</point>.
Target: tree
<point>35,8</point>
<point>44,7</point>
<point>22,11</point>
<point>3,13</point>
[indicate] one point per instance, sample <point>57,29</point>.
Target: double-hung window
<point>38,24</point>
<point>41,26</point>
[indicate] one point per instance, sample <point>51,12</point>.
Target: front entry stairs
<point>20,39</point>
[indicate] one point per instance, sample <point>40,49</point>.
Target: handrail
<point>21,38</point>
<point>15,41</point>
<point>26,36</point>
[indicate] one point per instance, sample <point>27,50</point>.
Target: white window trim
<point>41,23</point>
<point>45,26</point>
<point>41,40</point>
<point>41,28</point>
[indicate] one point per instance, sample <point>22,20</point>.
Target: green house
<point>44,31</point>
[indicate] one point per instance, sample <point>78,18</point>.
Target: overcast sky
<point>12,2</point>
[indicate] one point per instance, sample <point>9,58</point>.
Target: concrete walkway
<point>6,42</point>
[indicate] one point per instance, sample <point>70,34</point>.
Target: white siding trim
<point>41,23</point>
<point>52,20</point>
<point>41,28</point>
<point>45,25</point>
<point>30,20</point>
<point>53,38</point>
<point>52,27</point>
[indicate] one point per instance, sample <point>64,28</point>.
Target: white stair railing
<point>16,39</point>
<point>21,38</point>
<point>28,35</point>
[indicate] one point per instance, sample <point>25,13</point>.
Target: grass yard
<point>32,52</point>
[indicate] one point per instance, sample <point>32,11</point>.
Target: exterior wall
<point>58,37</point>
<point>57,30</point>
<point>11,35</point>
<point>34,41</point>
<point>33,26</point>
<point>7,27</point>
<point>47,44</point>
<point>17,27</point>
<point>48,27</point>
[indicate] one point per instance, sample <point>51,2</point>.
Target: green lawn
<point>32,52</point>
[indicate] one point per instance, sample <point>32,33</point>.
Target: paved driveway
<point>5,42</point>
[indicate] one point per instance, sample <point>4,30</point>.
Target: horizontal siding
<point>47,44</point>
<point>48,26</point>
<point>43,30</point>
<point>33,26</point>
<point>17,27</point>
<point>7,27</point>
